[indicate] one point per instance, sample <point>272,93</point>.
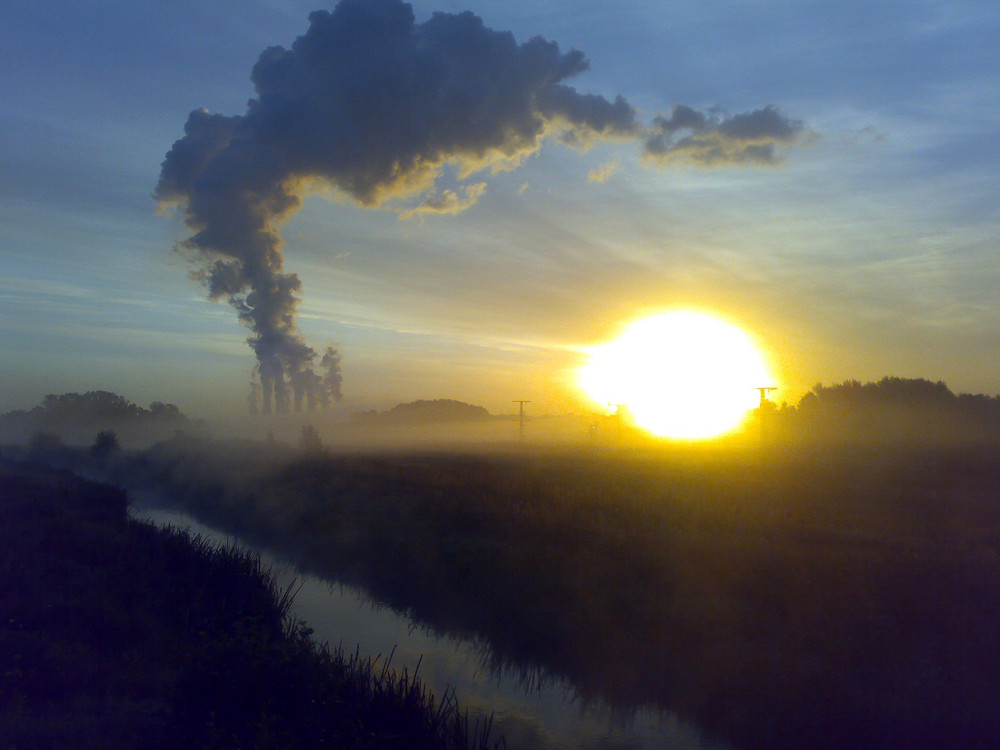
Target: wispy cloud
<point>447,202</point>
<point>603,173</point>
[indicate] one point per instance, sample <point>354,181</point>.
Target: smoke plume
<point>693,137</point>
<point>376,106</point>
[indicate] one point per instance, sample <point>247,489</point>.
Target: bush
<point>105,443</point>
<point>309,441</point>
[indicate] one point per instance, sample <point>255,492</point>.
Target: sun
<point>680,374</point>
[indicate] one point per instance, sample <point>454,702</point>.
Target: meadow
<point>823,595</point>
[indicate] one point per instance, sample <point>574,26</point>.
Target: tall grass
<point>121,634</point>
<point>802,597</point>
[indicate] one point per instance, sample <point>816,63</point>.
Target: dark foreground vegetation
<point>779,597</point>
<point>120,634</point>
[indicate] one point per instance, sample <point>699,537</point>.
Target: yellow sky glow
<point>680,374</point>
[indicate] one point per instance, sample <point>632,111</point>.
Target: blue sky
<point>867,250</point>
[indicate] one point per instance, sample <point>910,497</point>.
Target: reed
<point>121,634</point>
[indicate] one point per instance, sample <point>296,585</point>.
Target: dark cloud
<point>375,105</point>
<point>709,140</point>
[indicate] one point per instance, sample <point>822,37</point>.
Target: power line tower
<point>761,411</point>
<point>764,391</point>
<point>520,419</point>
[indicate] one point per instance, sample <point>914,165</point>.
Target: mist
<point>828,570</point>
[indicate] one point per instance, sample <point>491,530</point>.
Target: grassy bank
<point>120,634</point>
<point>830,597</point>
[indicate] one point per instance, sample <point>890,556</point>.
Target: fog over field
<point>827,576</point>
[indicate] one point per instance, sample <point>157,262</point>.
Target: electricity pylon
<point>760,411</point>
<point>520,419</point>
<point>763,392</point>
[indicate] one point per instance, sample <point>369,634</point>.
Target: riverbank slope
<point>116,633</point>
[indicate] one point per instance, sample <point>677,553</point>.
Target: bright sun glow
<point>680,374</point>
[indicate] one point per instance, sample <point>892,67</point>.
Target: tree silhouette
<point>309,440</point>
<point>105,443</point>
<point>892,409</point>
<point>76,415</point>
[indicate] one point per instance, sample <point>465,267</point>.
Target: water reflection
<point>532,709</point>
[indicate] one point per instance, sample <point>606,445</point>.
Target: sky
<point>854,239</point>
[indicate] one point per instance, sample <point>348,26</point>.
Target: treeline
<point>891,409</point>
<point>424,412</point>
<point>78,416</point>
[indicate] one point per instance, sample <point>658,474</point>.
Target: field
<point>801,597</point>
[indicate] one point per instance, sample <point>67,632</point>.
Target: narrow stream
<point>529,715</point>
